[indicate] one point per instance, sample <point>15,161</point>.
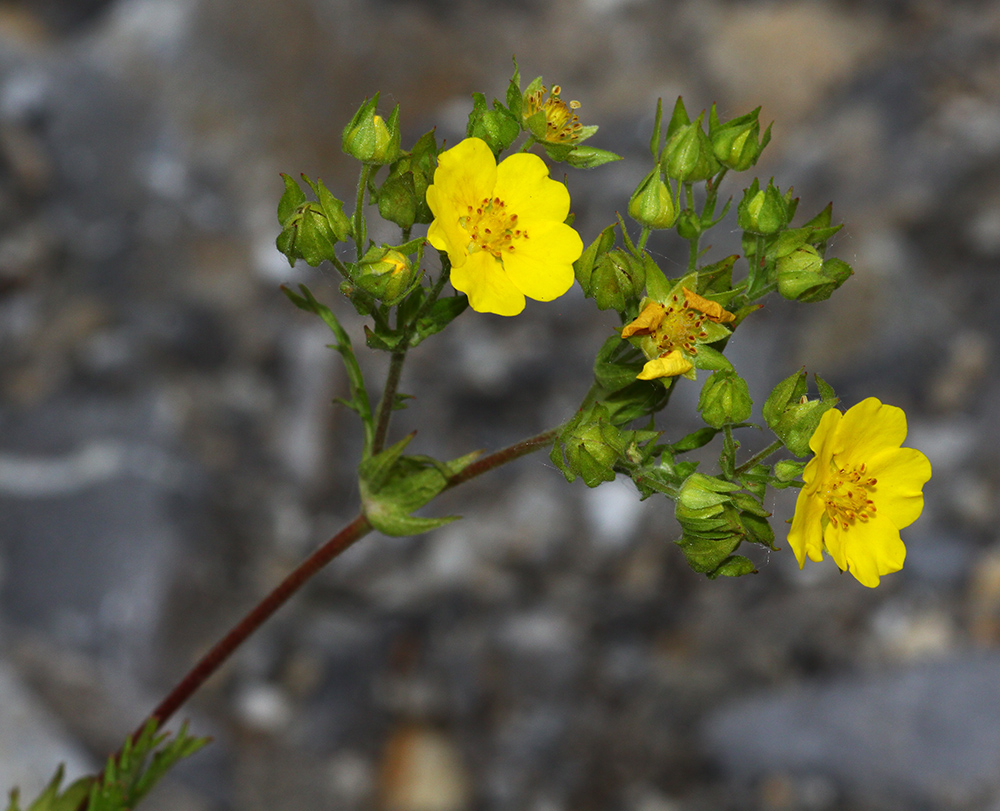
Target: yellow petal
<point>649,319</point>
<point>489,289</point>
<point>868,428</point>
<point>445,233</point>
<point>466,174</point>
<point>900,474</point>
<point>806,533</point>
<point>669,365</point>
<point>523,183</point>
<point>823,440</point>
<point>541,267</point>
<point>867,549</point>
<point>712,309</point>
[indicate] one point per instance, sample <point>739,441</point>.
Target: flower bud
<point>618,278</point>
<point>309,230</point>
<point>804,276</point>
<point>688,154</point>
<point>371,139</point>
<point>385,273</point>
<point>584,266</point>
<point>589,446</point>
<point>652,204</point>
<point>792,415</point>
<point>735,142</point>
<point>763,211</point>
<point>725,399</point>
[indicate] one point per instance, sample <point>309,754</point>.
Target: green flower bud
<point>309,230</point>
<point>792,415</point>
<point>385,273</point>
<point>371,139</point>
<point>592,447</point>
<point>397,199</point>
<point>735,142</point>
<point>688,154</point>
<point>652,204</point>
<point>725,399</point>
<point>618,279</point>
<point>763,211</point>
<point>804,276</point>
<point>700,493</point>
<point>584,266</point>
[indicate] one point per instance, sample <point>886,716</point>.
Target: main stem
<point>354,531</point>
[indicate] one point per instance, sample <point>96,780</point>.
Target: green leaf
<point>441,313</point>
<point>694,440</point>
<point>359,394</point>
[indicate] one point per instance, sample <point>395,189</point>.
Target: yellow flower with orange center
<point>503,227</point>
<point>670,332</point>
<point>861,488</point>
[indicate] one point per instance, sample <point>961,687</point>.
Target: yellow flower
<point>669,333</point>
<point>502,226</point>
<point>861,488</point>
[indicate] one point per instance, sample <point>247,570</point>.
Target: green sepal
<point>734,565</point>
<point>706,554</point>
<point>497,127</point>
<point>291,199</point>
<point>711,359</point>
<point>756,480</point>
<point>758,529</point>
<point>514,97</point>
<point>654,142</point>
<point>584,266</point>
<point>617,364</point>
<point>658,286</point>
<point>678,118</point>
<point>640,399</point>
<point>587,157</point>
<point>717,277</point>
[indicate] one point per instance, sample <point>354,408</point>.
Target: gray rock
<point>929,733</point>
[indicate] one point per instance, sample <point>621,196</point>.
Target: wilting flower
<point>561,123</point>
<point>502,226</point>
<point>861,488</point>
<point>670,332</point>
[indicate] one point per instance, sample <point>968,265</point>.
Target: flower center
<point>562,124</point>
<point>847,496</point>
<point>681,327</point>
<point>491,227</point>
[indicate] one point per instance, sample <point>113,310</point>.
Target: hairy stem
<point>385,406</point>
<point>774,447</point>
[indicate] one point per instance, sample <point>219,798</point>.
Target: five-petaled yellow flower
<point>860,490</point>
<point>502,226</point>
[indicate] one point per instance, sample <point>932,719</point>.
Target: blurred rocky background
<point>168,447</point>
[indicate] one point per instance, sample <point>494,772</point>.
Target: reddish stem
<point>354,531</point>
